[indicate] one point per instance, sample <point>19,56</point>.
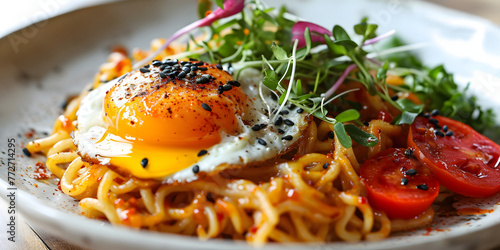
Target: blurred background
<point>19,13</point>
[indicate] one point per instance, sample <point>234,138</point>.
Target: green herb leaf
<point>203,7</point>
<point>360,136</point>
<point>220,3</point>
<point>333,47</point>
<point>382,72</point>
<point>405,118</point>
<point>410,106</point>
<point>270,79</point>
<point>298,87</point>
<point>278,52</point>
<point>348,115</point>
<point>344,139</point>
<point>340,34</point>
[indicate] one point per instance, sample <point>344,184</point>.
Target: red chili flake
<point>41,172</point>
<point>253,229</point>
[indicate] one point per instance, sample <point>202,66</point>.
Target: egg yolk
<point>169,120</point>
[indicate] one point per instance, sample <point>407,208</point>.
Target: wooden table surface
<point>37,238</point>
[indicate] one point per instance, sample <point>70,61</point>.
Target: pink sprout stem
<point>341,79</point>
<point>378,38</point>
<point>231,7</point>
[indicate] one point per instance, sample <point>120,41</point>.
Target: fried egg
<point>172,120</point>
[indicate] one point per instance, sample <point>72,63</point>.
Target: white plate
<point>58,58</point>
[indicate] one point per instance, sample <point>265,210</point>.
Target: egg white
<point>232,150</point>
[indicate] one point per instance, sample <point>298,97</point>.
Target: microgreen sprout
<point>230,7</point>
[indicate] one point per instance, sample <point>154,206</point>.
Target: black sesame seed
<point>435,112</point>
<point>366,123</point>
<point>163,67</point>
<point>168,62</point>
<point>144,70</point>
<point>202,68</point>
<point>175,61</point>
<point>198,64</point>
<point>192,59</point>
<point>408,152</point>
<point>288,122</point>
<point>220,89</point>
<point>261,142</point>
<point>274,97</point>
<point>331,135</point>
<point>256,127</point>
<point>182,75</point>
<point>404,181</point>
<point>26,152</point>
<point>163,75</point>
<point>422,187</point>
<point>278,121</point>
<point>186,69</point>
<point>184,62</point>
<point>202,80</point>
<point>192,74</point>
<point>325,166</point>
<point>433,121</point>
<point>157,63</point>
<point>196,169</point>
<point>263,126</point>
<point>202,152</point>
<point>287,137</point>
<point>234,83</point>
<point>445,128</point>
<point>291,106</point>
<point>299,110</point>
<point>218,66</point>
<point>227,87</point>
<point>411,172</point>
<point>394,97</point>
<point>449,133</point>
<point>206,107</point>
<point>281,131</point>
<point>284,112</point>
<point>439,133</point>
<point>427,115</point>
<point>146,66</point>
<point>144,162</point>
<point>194,68</point>
<point>437,126</point>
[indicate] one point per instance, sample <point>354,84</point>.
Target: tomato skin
<point>466,162</point>
<point>382,176</point>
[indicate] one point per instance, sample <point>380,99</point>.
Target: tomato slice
<point>398,184</point>
<point>463,160</point>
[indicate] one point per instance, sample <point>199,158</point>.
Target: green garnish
<point>298,66</point>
